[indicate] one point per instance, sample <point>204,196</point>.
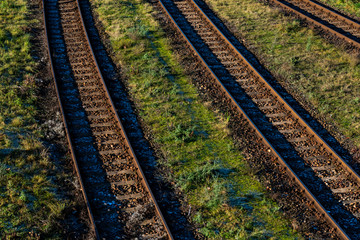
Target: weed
<point>182,134</point>
<point>308,44</point>
<point>16,122</point>
<point>354,59</point>
<point>293,26</point>
<point>200,175</point>
<point>295,61</point>
<point>174,90</point>
<point>30,144</point>
<point>357,100</point>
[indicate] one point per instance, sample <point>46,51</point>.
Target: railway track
<point>325,178</point>
<point>118,198</point>
<point>322,16</point>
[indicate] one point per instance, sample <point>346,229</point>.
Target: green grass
<point>348,6</point>
<point>228,200</point>
<point>325,75</point>
<point>29,207</point>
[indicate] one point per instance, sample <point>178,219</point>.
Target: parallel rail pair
<point>117,195</point>
<point>325,178</point>
<point>328,19</point>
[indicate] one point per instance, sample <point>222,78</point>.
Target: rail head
<point>288,169</point>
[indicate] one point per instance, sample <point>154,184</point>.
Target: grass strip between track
<point>228,200</point>
<point>29,206</point>
<point>325,75</point>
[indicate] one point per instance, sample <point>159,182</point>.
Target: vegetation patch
<point>29,206</point>
<point>325,75</point>
<point>348,6</point>
<point>227,199</point>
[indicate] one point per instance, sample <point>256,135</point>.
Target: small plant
<point>198,218</point>
<point>350,6</point>
<point>17,122</point>
<point>30,143</point>
<point>357,100</point>
<point>198,176</point>
<point>23,196</point>
<point>308,44</point>
<point>295,61</point>
<point>293,26</point>
<point>174,90</point>
<point>354,60</point>
<point>182,134</point>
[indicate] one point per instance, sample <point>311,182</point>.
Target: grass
<point>229,201</point>
<point>324,74</point>
<point>348,6</point>
<point>29,206</point>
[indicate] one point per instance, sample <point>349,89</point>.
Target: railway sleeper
<point>343,190</point>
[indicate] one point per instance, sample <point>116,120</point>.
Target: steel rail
<point>341,233</point>
<point>313,19</point>
<point>70,143</point>
<point>139,170</point>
